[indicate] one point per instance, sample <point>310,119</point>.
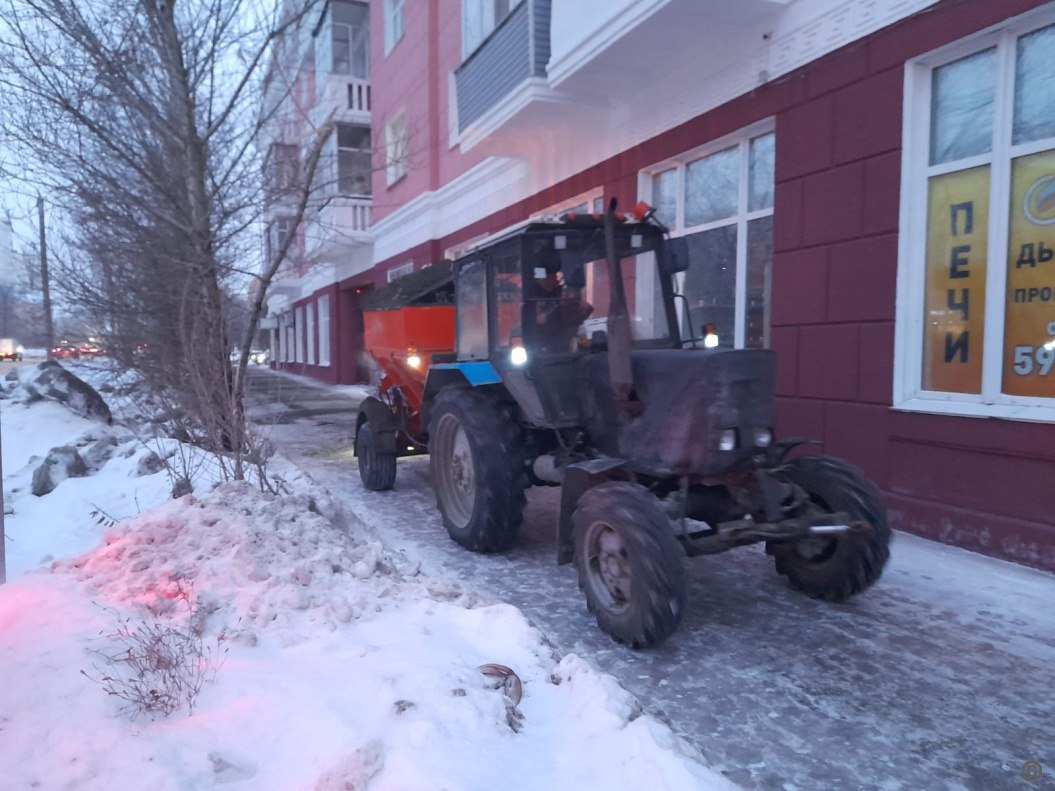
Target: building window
<point>453,130</point>
<point>397,272</point>
<point>324,330</point>
<point>310,334</point>
<point>479,18</point>
<point>396,148</point>
<point>354,169</point>
<point>278,232</point>
<point>285,324</point>
<point>976,301</point>
<point>298,335</point>
<point>282,168</point>
<point>393,23</point>
<point>343,44</point>
<point>720,198</point>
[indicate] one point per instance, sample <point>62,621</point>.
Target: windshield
<point>570,294</point>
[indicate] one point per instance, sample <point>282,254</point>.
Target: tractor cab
<point>546,290</point>
<point>533,304</point>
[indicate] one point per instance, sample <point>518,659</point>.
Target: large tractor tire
<point>630,565</point>
<point>377,468</point>
<point>477,469</point>
<point>835,567</point>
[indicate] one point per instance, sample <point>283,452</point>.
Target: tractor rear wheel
<point>835,567</point>
<point>377,468</point>
<point>477,469</point>
<point>630,565</point>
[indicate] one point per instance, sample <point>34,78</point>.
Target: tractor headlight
<point>414,361</point>
<point>763,437</point>
<point>727,439</point>
<point>710,337</point>
<point>518,355</point>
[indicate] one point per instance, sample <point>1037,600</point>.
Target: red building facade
<point>873,237</point>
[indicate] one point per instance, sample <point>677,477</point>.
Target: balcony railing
<point>358,96</point>
<point>346,96</point>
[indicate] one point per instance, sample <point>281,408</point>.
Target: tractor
<point>562,354</point>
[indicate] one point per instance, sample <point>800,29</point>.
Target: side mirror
<point>674,256</point>
<point>571,264</point>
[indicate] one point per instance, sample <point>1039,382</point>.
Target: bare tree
<point>140,119</point>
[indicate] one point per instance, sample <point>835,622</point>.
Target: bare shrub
<point>157,668</point>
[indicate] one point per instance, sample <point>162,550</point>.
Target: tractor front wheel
<point>377,468</point>
<point>629,564</point>
<point>835,567</point>
<point>477,469</point>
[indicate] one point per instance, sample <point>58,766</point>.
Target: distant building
<point>320,70</point>
<point>866,187</point>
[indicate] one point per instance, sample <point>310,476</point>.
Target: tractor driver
<point>560,313</point>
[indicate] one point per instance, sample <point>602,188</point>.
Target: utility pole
<point>45,283</point>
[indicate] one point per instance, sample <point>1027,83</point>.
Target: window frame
<point>743,217</point>
<point>331,32</point>
<point>278,229</point>
<point>401,270</point>
<point>395,24</point>
<point>488,22</point>
<point>298,334</point>
<point>908,392</point>
<point>396,149</point>
<point>338,148</point>
<point>309,333</point>
<point>324,330</point>
<point>282,167</point>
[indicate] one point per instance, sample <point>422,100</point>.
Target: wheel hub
<point>462,472</point>
<point>610,566</point>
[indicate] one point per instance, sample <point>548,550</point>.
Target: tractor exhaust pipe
<point>619,369</point>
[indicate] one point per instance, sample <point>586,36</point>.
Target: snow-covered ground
<point>327,660</point>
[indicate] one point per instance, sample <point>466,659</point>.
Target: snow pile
<point>254,560</point>
<point>52,381</point>
<point>344,667</point>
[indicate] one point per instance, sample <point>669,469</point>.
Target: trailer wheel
<point>834,568</point>
<point>629,563</point>
<point>476,463</point>
<point>377,468</point>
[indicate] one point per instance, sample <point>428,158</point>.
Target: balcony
<point>338,228</point>
<point>569,83</point>
<point>559,71</point>
<point>348,98</point>
<point>515,52</point>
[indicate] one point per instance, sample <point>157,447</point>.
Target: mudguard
<point>384,424</point>
<point>467,374</point>
<point>577,479</point>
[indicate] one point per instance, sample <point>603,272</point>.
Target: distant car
<point>64,351</point>
<point>90,349</point>
<point>256,356</point>
<point>10,349</point>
